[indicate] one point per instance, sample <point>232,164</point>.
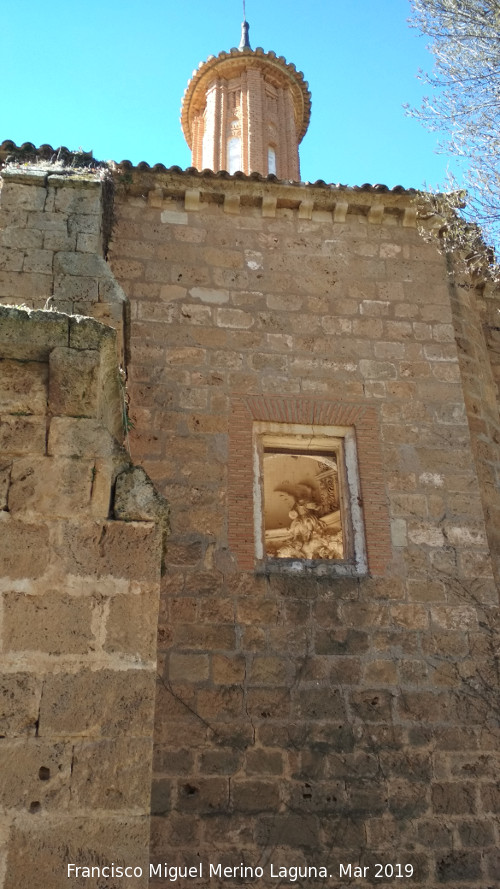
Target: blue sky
<point>109,76</point>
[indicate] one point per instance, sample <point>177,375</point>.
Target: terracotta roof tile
<point>9,150</point>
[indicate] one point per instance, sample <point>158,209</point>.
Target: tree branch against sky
<point>465,100</point>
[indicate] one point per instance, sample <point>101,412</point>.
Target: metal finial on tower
<point>245,27</point>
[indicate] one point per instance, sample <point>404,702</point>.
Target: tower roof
<point>230,64</point>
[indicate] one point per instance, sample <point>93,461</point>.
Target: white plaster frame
<point>339,440</point>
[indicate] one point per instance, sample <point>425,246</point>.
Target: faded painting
<point>302,509</point>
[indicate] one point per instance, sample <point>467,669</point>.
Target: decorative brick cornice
<point>231,64</point>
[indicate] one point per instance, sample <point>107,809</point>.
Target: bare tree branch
<point>465,101</point>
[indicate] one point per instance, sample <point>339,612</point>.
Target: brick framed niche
<point>248,410</point>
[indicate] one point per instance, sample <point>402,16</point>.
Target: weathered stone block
<point>97,703</point>
<point>203,795</point>
<point>188,667</point>
<point>58,240</point>
<point>89,243</point>
<point>51,622</point>
<point>221,704</point>
<point>87,333</point>
<point>255,796</point>
<point>220,762</point>
<point>341,642</point>
<point>490,797</point>
<point>173,762</point>
<point>21,238</point>
<point>264,762</point>
<point>74,382</point>
<point>35,772</point>
<point>23,387</point>
<point>85,199</point>
<point>228,670</point>
<point>82,292</point>
<point>19,704</point>
<point>296,830</point>
<point>24,548</point>
<point>321,703</point>
<point>454,798</point>
<point>122,549</point>
<point>11,260</point>
<point>97,841</point>
<point>137,500</point>
<point>161,796</point>
<point>458,866</point>
<point>52,486</point>
<point>407,799</point>
<point>38,261</point>
<point>80,437</point>
<point>269,671</point>
<point>112,774</point>
<point>22,435</point>
<point>132,623</point>
<point>16,196</point>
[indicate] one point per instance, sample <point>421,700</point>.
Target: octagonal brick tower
<point>246,110</point>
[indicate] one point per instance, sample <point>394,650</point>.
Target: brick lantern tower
<point>246,110</point>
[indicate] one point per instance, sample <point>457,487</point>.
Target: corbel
<point>232,204</point>
<point>192,199</point>
<point>340,212</point>
<point>376,213</point>
<point>269,206</point>
<point>306,209</point>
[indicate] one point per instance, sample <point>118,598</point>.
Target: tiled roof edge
<point>29,152</point>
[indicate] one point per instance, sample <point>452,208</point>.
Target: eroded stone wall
<point>54,226</point>
<point>311,721</point>
<point>79,592</point>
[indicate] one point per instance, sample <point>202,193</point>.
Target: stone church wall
<point>302,718</point>
<point>312,720</point>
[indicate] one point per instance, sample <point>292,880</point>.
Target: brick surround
<point>245,410</point>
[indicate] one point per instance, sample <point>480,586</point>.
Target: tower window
<point>234,154</point>
<point>271,160</point>
<point>307,511</point>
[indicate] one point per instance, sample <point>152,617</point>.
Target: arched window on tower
<point>271,159</point>
<point>234,154</point>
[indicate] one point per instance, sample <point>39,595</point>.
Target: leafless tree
<point>464,105</point>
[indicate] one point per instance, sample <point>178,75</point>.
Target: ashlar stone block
<point>54,487</point>
<point>102,548</point>
<point>19,703</point>
<point>132,624</point>
<point>24,547</point>
<point>112,774</point>
<point>74,382</point>
<point>23,387</point>
<point>15,196</point>
<point>53,622</point>
<point>82,840</point>
<point>35,772</point>
<point>98,703</point>
<point>84,379</point>
<point>22,435</point>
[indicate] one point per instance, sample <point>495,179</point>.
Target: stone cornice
<point>195,191</point>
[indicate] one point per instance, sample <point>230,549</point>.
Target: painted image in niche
<point>302,507</point>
